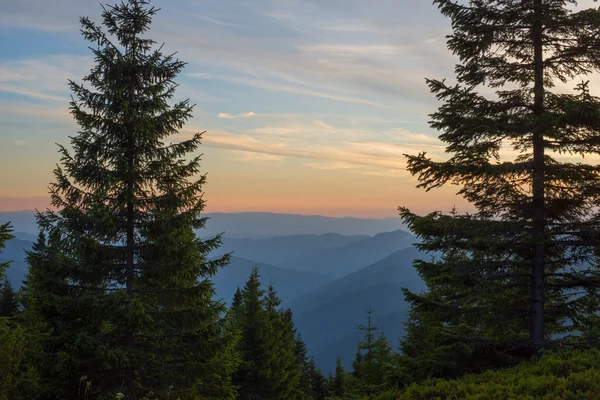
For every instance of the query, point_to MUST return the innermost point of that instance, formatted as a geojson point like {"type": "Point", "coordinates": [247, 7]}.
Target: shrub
{"type": "Point", "coordinates": [563, 375]}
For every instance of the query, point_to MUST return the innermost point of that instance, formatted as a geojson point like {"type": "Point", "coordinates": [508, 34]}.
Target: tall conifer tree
{"type": "Point", "coordinates": [504, 284]}
{"type": "Point", "coordinates": [372, 355]}
{"type": "Point", "coordinates": [8, 300]}
{"type": "Point", "coordinates": [338, 384]}
{"type": "Point", "coordinates": [5, 236]}
{"type": "Point", "coordinates": [269, 366]}
{"type": "Point", "coordinates": [133, 307]}
{"type": "Point", "coordinates": [302, 360]}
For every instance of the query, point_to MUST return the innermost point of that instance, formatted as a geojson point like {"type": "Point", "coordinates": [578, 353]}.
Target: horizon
{"type": "Point", "coordinates": [14, 205]}
{"type": "Point", "coordinates": [249, 212]}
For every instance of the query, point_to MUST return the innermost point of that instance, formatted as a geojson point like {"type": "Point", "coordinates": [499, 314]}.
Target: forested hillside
{"type": "Point", "coordinates": [120, 290]}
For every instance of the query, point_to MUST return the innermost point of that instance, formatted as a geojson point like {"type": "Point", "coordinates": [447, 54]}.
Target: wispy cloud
{"type": "Point", "coordinates": [249, 156]}
{"type": "Point", "coordinates": [32, 94]}
{"type": "Point", "coordinates": [339, 153]}
{"type": "Point", "coordinates": [43, 78]}
{"type": "Point", "coordinates": [333, 165]}
{"type": "Point", "coordinates": [231, 116]}
{"type": "Point", "coordinates": [216, 21]}
{"type": "Point", "coordinates": [325, 126]}
{"type": "Point", "coordinates": [304, 91]}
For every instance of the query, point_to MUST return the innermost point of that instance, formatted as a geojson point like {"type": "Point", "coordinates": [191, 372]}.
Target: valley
{"type": "Point", "coordinates": [328, 279]}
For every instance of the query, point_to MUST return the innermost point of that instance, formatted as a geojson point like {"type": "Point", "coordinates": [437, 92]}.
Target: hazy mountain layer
{"type": "Point", "coordinates": [282, 249]}
{"type": "Point", "coordinates": [15, 252]}
{"type": "Point", "coordinates": [254, 224]}
{"type": "Point", "coordinates": [330, 313]}
{"type": "Point", "coordinates": [289, 284]}
{"type": "Point", "coordinates": [341, 261]}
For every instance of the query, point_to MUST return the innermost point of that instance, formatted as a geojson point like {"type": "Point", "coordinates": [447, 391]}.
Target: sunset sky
{"type": "Point", "coordinates": [308, 104]}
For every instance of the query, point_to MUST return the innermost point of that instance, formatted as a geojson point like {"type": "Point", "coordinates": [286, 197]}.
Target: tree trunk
{"type": "Point", "coordinates": [130, 248]}
{"type": "Point", "coordinates": [538, 251]}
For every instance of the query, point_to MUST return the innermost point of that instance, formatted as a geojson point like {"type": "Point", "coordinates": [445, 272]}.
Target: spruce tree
{"type": "Point", "coordinates": [338, 386]}
{"type": "Point", "coordinates": [372, 356]}
{"type": "Point", "coordinates": [502, 279]}
{"type": "Point", "coordinates": [317, 382]}
{"type": "Point", "coordinates": [19, 378]}
{"type": "Point", "coordinates": [5, 236]}
{"type": "Point", "coordinates": [8, 300]}
{"type": "Point", "coordinates": [253, 346]}
{"type": "Point", "coordinates": [302, 361]}
{"type": "Point", "coordinates": [132, 302]}
{"type": "Point", "coordinates": [291, 370]}
{"type": "Point", "coordinates": [269, 366]}
{"type": "Point", "coordinates": [237, 299]}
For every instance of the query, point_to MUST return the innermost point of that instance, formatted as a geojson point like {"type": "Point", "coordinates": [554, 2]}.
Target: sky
{"type": "Point", "coordinates": [308, 105]}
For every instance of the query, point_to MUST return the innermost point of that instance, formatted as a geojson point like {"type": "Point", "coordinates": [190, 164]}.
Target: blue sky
{"type": "Point", "coordinates": [308, 104]}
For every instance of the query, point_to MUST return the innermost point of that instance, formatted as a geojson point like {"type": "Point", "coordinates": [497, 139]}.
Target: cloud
{"type": "Point", "coordinates": [351, 50]}
{"type": "Point", "coordinates": [249, 156]}
{"type": "Point", "coordinates": [402, 135]}
{"type": "Point", "coordinates": [201, 75]}
{"type": "Point", "coordinates": [299, 129]}
{"type": "Point", "coordinates": [334, 150]}
{"type": "Point", "coordinates": [37, 112]}
{"type": "Point", "coordinates": [32, 94]}
{"type": "Point", "coordinates": [334, 165]}
{"type": "Point", "coordinates": [388, 173]}
{"type": "Point", "coordinates": [216, 21]}
{"type": "Point", "coordinates": [325, 126]}
{"type": "Point", "coordinates": [230, 116]}
{"type": "Point", "coordinates": [44, 78]}
{"type": "Point", "coordinates": [304, 91]}
{"type": "Point", "coordinates": [20, 143]}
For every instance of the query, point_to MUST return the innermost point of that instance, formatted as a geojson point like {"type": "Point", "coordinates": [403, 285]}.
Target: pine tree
{"type": "Point", "coordinates": [303, 362]}
{"type": "Point", "coordinates": [47, 292]}
{"type": "Point", "coordinates": [19, 378]}
{"type": "Point", "coordinates": [372, 356]}
{"type": "Point", "coordinates": [237, 299]}
{"type": "Point", "coordinates": [364, 363]}
{"type": "Point", "coordinates": [5, 236]}
{"type": "Point", "coordinates": [317, 382]}
{"type": "Point", "coordinates": [502, 279]}
{"type": "Point", "coordinates": [269, 355]}
{"type": "Point", "coordinates": [132, 302]}
{"type": "Point", "coordinates": [338, 386]}
{"type": "Point", "coordinates": [251, 320]}
{"type": "Point", "coordinates": [8, 300]}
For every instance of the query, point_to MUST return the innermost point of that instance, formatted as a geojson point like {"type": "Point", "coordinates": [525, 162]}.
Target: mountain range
{"type": "Point", "coordinates": [340, 261]}
{"type": "Point", "coordinates": [327, 279]}
{"type": "Point", "coordinates": [339, 307]}
{"type": "Point", "coordinates": [14, 251]}
{"type": "Point", "coordinates": [257, 225]}
{"type": "Point", "coordinates": [289, 284]}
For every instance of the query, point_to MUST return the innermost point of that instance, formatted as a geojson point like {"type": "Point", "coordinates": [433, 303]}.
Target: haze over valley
{"type": "Point", "coordinates": [327, 270]}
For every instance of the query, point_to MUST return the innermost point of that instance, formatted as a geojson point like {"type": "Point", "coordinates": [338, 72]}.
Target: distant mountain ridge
{"type": "Point", "coordinates": [397, 267]}
{"type": "Point", "coordinates": [340, 261]}
{"type": "Point", "coordinates": [289, 284]}
{"type": "Point", "coordinates": [254, 224]}
{"type": "Point", "coordinates": [15, 252]}
{"type": "Point", "coordinates": [281, 249]}
{"type": "Point", "coordinates": [331, 313]}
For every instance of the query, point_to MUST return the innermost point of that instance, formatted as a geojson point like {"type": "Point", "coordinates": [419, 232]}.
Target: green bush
{"type": "Point", "coordinates": [18, 380]}
{"type": "Point", "coordinates": [564, 375]}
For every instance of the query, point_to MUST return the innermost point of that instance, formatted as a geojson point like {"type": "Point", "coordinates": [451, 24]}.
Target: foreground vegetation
{"type": "Point", "coordinates": [564, 375]}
